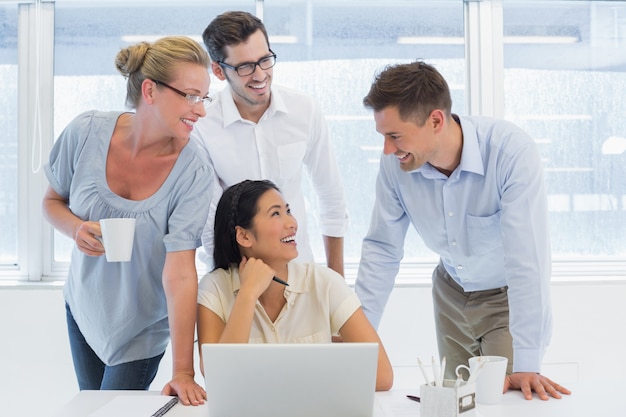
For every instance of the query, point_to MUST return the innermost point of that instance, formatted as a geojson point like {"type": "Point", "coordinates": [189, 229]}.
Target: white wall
{"type": "Point", "coordinates": [37, 377]}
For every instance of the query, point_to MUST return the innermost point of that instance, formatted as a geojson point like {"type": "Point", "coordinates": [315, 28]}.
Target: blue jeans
{"type": "Point", "coordinates": [93, 374]}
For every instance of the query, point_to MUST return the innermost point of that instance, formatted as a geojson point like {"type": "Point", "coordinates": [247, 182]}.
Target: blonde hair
{"type": "Point", "coordinates": [156, 61]}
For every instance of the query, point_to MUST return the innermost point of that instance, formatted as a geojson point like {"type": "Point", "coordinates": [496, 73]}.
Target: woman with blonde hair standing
{"type": "Point", "coordinates": [141, 164]}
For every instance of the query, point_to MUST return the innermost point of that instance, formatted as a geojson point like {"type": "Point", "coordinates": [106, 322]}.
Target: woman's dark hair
{"type": "Point", "coordinates": [237, 207]}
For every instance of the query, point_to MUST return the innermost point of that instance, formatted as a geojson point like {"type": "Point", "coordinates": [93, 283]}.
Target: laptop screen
{"type": "Point", "coordinates": [287, 380]}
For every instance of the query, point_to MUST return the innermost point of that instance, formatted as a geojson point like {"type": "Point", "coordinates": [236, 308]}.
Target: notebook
{"type": "Point", "coordinates": [290, 380]}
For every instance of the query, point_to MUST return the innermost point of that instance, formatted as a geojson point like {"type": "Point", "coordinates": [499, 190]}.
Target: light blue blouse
{"type": "Point", "coordinates": [120, 307]}
{"type": "Point", "coordinates": [487, 221]}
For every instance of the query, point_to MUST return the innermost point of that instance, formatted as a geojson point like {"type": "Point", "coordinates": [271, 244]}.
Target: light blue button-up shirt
{"type": "Point", "coordinates": [487, 221]}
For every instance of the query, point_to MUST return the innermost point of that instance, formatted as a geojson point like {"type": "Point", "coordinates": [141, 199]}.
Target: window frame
{"type": "Point", "coordinates": [484, 96]}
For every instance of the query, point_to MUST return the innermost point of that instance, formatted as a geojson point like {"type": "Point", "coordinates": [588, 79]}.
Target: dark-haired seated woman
{"type": "Point", "coordinates": [241, 302]}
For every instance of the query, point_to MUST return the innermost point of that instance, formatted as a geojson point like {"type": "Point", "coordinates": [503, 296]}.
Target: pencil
{"type": "Point", "coordinates": [280, 281]}
{"type": "Point", "coordinates": [436, 371]}
{"type": "Point", "coordinates": [426, 379]}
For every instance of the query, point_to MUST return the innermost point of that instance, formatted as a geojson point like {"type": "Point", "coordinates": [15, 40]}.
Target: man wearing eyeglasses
{"type": "Point", "coordinates": [256, 130]}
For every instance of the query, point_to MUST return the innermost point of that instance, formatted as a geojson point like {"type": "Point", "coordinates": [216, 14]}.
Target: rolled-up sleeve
{"type": "Point", "coordinates": [321, 165]}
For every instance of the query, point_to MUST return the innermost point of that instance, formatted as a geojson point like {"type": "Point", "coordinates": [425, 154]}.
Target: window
{"type": "Point", "coordinates": [332, 50]}
{"type": "Point", "coordinates": [328, 49]}
{"type": "Point", "coordinates": [93, 82]}
{"type": "Point", "coordinates": [565, 77]}
{"type": "Point", "coordinates": [9, 139]}
{"type": "Point", "coordinates": [558, 72]}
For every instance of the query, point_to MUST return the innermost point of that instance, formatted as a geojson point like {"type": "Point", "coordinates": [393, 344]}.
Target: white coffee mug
{"type": "Point", "coordinates": [117, 238]}
{"type": "Point", "coordinates": [488, 372]}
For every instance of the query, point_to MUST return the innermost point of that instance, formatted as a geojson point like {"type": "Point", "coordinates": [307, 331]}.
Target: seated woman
{"type": "Point", "coordinates": [240, 301]}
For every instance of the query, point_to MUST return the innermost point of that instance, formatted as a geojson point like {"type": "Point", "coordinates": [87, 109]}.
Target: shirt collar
{"type": "Point", "coordinates": [230, 113]}
{"type": "Point", "coordinates": [471, 158]}
{"type": "Point", "coordinates": [297, 279]}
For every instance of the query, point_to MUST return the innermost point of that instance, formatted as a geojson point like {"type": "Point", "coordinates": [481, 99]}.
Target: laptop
{"type": "Point", "coordinates": [290, 379]}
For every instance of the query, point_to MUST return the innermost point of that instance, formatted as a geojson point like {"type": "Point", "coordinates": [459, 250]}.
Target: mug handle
{"type": "Point", "coordinates": [458, 373]}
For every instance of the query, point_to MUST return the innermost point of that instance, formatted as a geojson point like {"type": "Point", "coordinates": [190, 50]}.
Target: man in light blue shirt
{"type": "Point", "coordinates": [473, 189]}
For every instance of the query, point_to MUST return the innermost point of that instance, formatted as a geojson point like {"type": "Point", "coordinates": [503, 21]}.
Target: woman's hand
{"type": "Point", "coordinates": [184, 386]}
{"type": "Point", "coordinates": [84, 233]}
{"type": "Point", "coordinates": [255, 276]}
{"type": "Point", "coordinates": [86, 239]}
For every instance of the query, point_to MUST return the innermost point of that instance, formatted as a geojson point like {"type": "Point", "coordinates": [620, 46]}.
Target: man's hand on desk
{"type": "Point", "coordinates": [185, 387]}
{"type": "Point", "coordinates": [531, 381]}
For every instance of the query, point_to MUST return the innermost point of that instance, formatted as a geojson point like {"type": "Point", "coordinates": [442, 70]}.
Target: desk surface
{"type": "Point", "coordinates": [587, 400]}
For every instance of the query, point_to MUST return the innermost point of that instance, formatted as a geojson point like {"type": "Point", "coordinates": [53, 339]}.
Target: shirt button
{"type": "Point", "coordinates": [459, 267]}
{"type": "Point", "coordinates": [450, 214]}
{"type": "Point", "coordinates": [454, 243]}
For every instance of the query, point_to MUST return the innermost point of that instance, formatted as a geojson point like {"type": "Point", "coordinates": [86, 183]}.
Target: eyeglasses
{"type": "Point", "coordinates": [191, 99]}
{"type": "Point", "coordinates": [248, 68]}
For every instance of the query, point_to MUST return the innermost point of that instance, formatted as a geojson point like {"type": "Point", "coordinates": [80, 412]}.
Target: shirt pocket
{"type": "Point", "coordinates": [290, 159]}
{"type": "Point", "coordinates": [484, 233]}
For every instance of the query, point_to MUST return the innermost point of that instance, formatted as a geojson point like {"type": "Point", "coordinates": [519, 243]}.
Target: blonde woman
{"type": "Point", "coordinates": [138, 164]}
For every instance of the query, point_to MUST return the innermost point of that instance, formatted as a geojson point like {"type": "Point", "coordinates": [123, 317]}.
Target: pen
{"type": "Point", "coordinates": [419, 362]}
{"type": "Point", "coordinates": [443, 371]}
{"type": "Point", "coordinates": [161, 411]}
{"type": "Point", "coordinates": [413, 397]}
{"type": "Point", "coordinates": [435, 371]}
{"type": "Point", "coordinates": [459, 380]}
{"type": "Point", "coordinates": [280, 281]}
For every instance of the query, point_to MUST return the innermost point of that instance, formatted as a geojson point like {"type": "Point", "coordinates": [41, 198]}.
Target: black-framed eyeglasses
{"type": "Point", "coordinates": [191, 99]}
{"type": "Point", "coordinates": [248, 68]}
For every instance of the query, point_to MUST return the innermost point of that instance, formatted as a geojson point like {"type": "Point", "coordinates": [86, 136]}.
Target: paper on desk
{"type": "Point", "coordinates": [132, 406]}
{"type": "Point", "coordinates": [396, 406]}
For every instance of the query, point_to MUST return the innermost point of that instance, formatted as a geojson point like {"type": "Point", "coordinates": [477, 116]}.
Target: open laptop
{"type": "Point", "coordinates": [290, 380]}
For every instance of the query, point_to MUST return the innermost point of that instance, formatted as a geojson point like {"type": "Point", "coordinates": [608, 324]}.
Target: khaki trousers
{"type": "Point", "coordinates": [469, 323]}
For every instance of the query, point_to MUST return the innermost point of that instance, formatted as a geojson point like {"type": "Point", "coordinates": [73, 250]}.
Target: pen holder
{"type": "Point", "coordinates": [449, 400]}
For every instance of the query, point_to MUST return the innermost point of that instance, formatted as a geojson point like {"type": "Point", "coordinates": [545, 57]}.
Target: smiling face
{"type": "Point", "coordinates": [272, 236]}
{"type": "Point", "coordinates": [413, 145]}
{"type": "Point", "coordinates": [251, 92]}
{"type": "Point", "coordinates": [175, 114]}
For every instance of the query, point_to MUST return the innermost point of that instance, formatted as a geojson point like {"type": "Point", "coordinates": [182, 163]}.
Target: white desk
{"type": "Point", "coordinates": [587, 400]}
